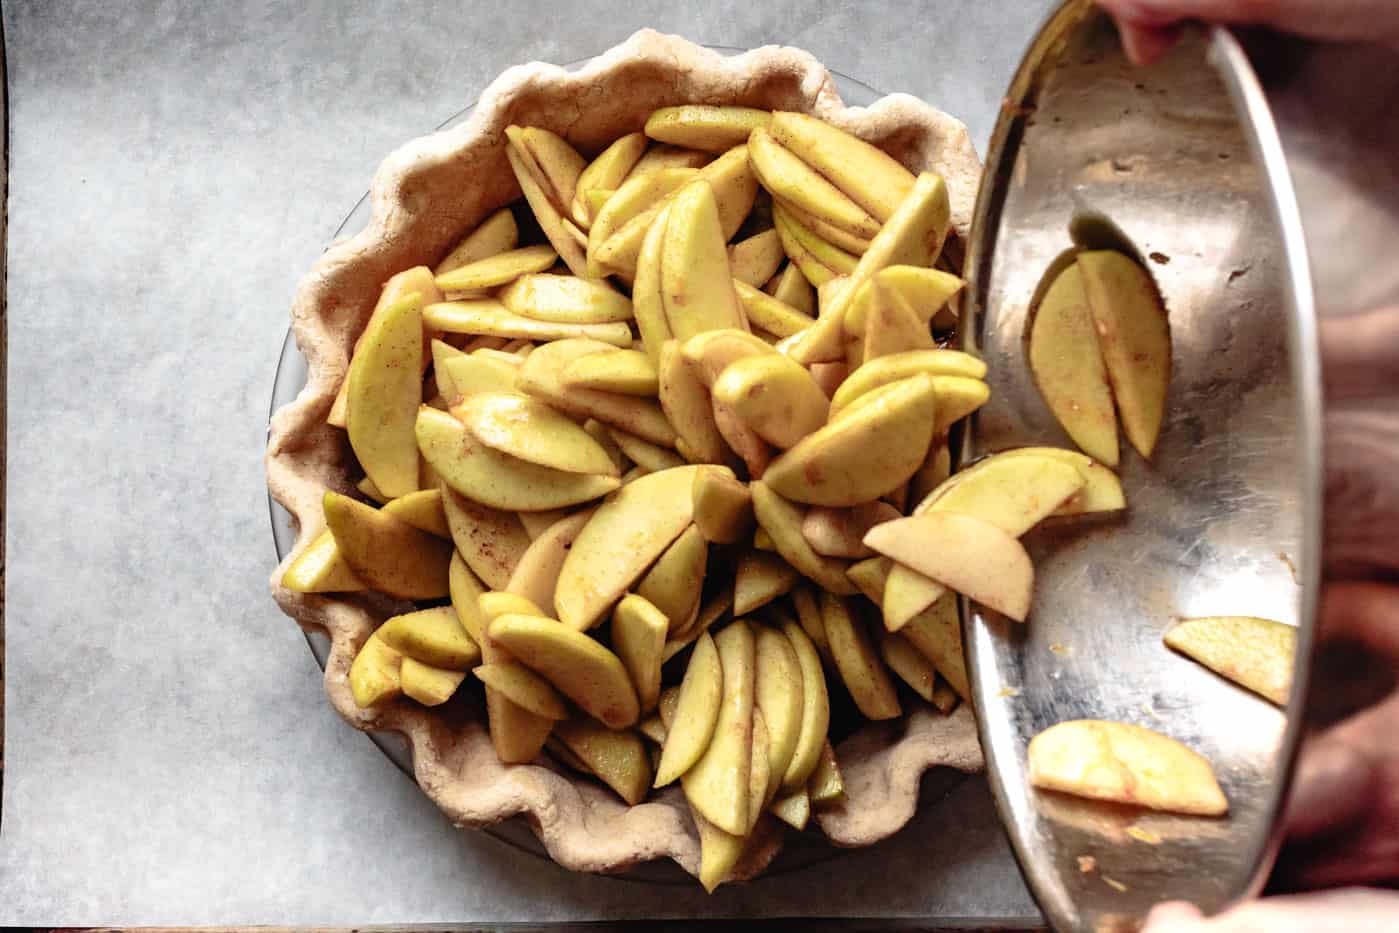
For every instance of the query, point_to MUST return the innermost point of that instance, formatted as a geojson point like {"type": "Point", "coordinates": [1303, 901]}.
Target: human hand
{"type": "Point", "coordinates": [1149, 27]}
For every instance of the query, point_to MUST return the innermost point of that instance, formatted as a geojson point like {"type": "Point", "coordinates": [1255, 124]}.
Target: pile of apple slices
{"type": "Point", "coordinates": [648, 499]}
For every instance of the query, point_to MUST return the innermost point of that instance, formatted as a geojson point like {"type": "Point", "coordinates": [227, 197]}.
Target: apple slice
{"type": "Point", "coordinates": [375, 673]}
{"type": "Point", "coordinates": [541, 376]}
{"type": "Point", "coordinates": [696, 284]}
{"type": "Point", "coordinates": [523, 687]}
{"type": "Point", "coordinates": [717, 784]}
{"type": "Point", "coordinates": [624, 537]}
{"type": "Point", "coordinates": [627, 372]}
{"type": "Point", "coordinates": [867, 174]}
{"type": "Point", "coordinates": [536, 572]}
{"type": "Point", "coordinates": [705, 127]}
{"type": "Point", "coordinates": [433, 636]}
{"type": "Point", "coordinates": [908, 663]}
{"type": "Point", "coordinates": [605, 173]}
{"type": "Point", "coordinates": [840, 532]}
{"type": "Point", "coordinates": [936, 633]}
{"type": "Point", "coordinates": [579, 667]}
{"type": "Point", "coordinates": [619, 759]}
{"type": "Point", "coordinates": [496, 479]}
{"type": "Point", "coordinates": [685, 401]}
{"type": "Point", "coordinates": [787, 177]}
{"type": "Point", "coordinates": [387, 553]}
{"type": "Point", "coordinates": [816, 710]}
{"type": "Point", "coordinates": [892, 327]}
{"type": "Point", "coordinates": [783, 522]}
{"type": "Point", "coordinates": [1068, 366]}
{"type": "Point", "coordinates": [755, 260]}
{"type": "Point", "coordinates": [1125, 764]}
{"type": "Point", "coordinates": [638, 637]}
{"type": "Point", "coordinates": [696, 711]}
{"type": "Point", "coordinates": [428, 685]}
{"type": "Point", "coordinates": [964, 553]}
{"type": "Point", "coordinates": [774, 396]}
{"type": "Point", "coordinates": [491, 541]}
{"type": "Point", "coordinates": [857, 661]}
{"type": "Point", "coordinates": [565, 299]}
{"type": "Point", "coordinates": [1135, 337]}
{"type": "Point", "coordinates": [496, 234]}
{"type": "Point", "coordinates": [780, 695]}
{"type": "Point", "coordinates": [723, 508]}
{"type": "Point", "coordinates": [1255, 653]}
{"type": "Point", "coordinates": [383, 390]}
{"type": "Point", "coordinates": [760, 578]}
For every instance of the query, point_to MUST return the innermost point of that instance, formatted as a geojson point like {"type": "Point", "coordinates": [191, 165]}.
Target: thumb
{"type": "Point", "coordinates": [1343, 911]}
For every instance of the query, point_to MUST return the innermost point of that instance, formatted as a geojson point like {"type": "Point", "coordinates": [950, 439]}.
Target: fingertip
{"type": "Point", "coordinates": [1173, 917]}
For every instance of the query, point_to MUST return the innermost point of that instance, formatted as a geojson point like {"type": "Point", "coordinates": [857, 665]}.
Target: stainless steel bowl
{"type": "Point", "coordinates": [1184, 159]}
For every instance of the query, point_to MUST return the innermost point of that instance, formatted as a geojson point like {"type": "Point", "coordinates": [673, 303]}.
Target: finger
{"type": "Point", "coordinates": [1330, 789]}
{"type": "Point", "coordinates": [1363, 612]}
{"type": "Point", "coordinates": [1375, 20]}
{"type": "Point", "coordinates": [1343, 911]}
{"type": "Point", "coordinates": [1173, 917]}
{"type": "Point", "coordinates": [1146, 44]}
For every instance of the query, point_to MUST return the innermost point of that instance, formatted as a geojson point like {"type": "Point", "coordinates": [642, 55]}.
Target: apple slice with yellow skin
{"type": "Point", "coordinates": [375, 673]}
{"type": "Point", "coordinates": [530, 430]}
{"type": "Point", "coordinates": [541, 376]}
{"type": "Point", "coordinates": [705, 127]}
{"type": "Point", "coordinates": [712, 352]}
{"type": "Point", "coordinates": [536, 573]}
{"type": "Point", "coordinates": [867, 174]}
{"type": "Point", "coordinates": [912, 236]}
{"type": "Point", "coordinates": [1257, 654]}
{"type": "Point", "coordinates": [441, 352]}
{"type": "Point", "coordinates": [898, 366]}
{"type": "Point", "coordinates": [670, 702]}
{"type": "Point", "coordinates": [638, 637]}
{"type": "Point", "coordinates": [554, 164]}
{"type": "Point", "coordinates": [734, 186]}
{"type": "Point", "coordinates": [816, 711]}
{"type": "Point", "coordinates": [760, 578]}
{"type": "Point", "coordinates": [498, 233]}
{"type": "Point", "coordinates": [792, 289]}
{"type": "Point", "coordinates": [780, 697]}
{"type": "Point", "coordinates": [891, 326]}
{"type": "Point", "coordinates": [723, 508]}
{"type": "Point", "coordinates": [517, 734]}
{"type": "Point", "coordinates": [499, 269]}
{"type": "Point", "coordinates": [1126, 764]}
{"type": "Point", "coordinates": [826, 783]}
{"type": "Point", "coordinates": [932, 474]}
{"type": "Point", "coordinates": [804, 245]}
{"type": "Point", "coordinates": [489, 317]}
{"type": "Point", "coordinates": [605, 173]}
{"type": "Point", "coordinates": [432, 636]}
{"type": "Point", "coordinates": [383, 391]}
{"type": "Point", "coordinates": [467, 375]}
{"type": "Point", "coordinates": [759, 769]}
{"type": "Point", "coordinates": [536, 523]}
{"type": "Point", "coordinates": [709, 614]}
{"type": "Point", "coordinates": [685, 401]}
{"type": "Point", "coordinates": [833, 532]}
{"type": "Point", "coordinates": [829, 376]}
{"type": "Point", "coordinates": [719, 851]}
{"type": "Point", "coordinates": [660, 157]}
{"type": "Point", "coordinates": [565, 299]}
{"type": "Point", "coordinates": [958, 397]}
{"type": "Point", "coordinates": [675, 581]}
{"type": "Point", "coordinates": [936, 633]}
{"type": "Point", "coordinates": [650, 457]}
{"type": "Point", "coordinates": [1068, 366]}
{"type": "Point", "coordinates": [812, 269]}
{"type": "Point", "coordinates": [491, 541]}
{"type": "Point", "coordinates": [774, 396]}
{"type": "Point", "coordinates": [1101, 492]}
{"type": "Point", "coordinates": [639, 196]}
{"type": "Point", "coordinates": [550, 218]}
{"type": "Point", "coordinates": [764, 312]}
{"type": "Point", "coordinates": [691, 723]}
{"type": "Point", "coordinates": [908, 663]}
{"type": "Point", "coordinates": [621, 541]}
{"type": "Point", "coordinates": [828, 233]}
{"type": "Point", "coordinates": [408, 282]}
{"type": "Point", "coordinates": [422, 510]}
{"type": "Point", "coordinates": [755, 260]}
{"type": "Point", "coordinates": [787, 177]}
{"type": "Point", "coordinates": [696, 283]}
{"type": "Point", "coordinates": [794, 809]}
{"type": "Point", "coordinates": [809, 615]}
{"type": "Point", "coordinates": [652, 728]}
{"type": "Point", "coordinates": [964, 553]}
{"type": "Point", "coordinates": [865, 453]}
{"type": "Point", "coordinates": [870, 576]}
{"type": "Point", "coordinates": [857, 661]}
{"type": "Point", "coordinates": [783, 521]}
{"type": "Point", "coordinates": [578, 667]}
{"type": "Point", "coordinates": [496, 479]}
{"type": "Point", "coordinates": [717, 784]}
{"type": "Point", "coordinates": [465, 591]}
{"type": "Point", "coordinates": [927, 291]}
{"type": "Point", "coordinates": [628, 372]}
{"type": "Point", "coordinates": [619, 759]}
{"type": "Point", "coordinates": [741, 439]}
{"type": "Point", "coordinates": [523, 687]}
{"type": "Point", "coordinates": [600, 433]}
{"type": "Point", "coordinates": [387, 553]}
{"type": "Point", "coordinates": [320, 569]}
{"type": "Point", "coordinates": [428, 685]}
{"type": "Point", "coordinates": [1134, 336]}
{"type": "Point", "coordinates": [366, 486]}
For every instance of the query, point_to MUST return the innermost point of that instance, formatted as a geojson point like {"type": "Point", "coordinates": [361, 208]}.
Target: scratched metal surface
{"type": "Point", "coordinates": [1223, 521]}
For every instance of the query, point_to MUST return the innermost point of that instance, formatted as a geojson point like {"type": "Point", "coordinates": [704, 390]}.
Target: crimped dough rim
{"type": "Point", "coordinates": [424, 197]}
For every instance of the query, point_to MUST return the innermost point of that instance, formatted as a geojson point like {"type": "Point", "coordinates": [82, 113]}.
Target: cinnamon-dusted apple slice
{"type": "Point", "coordinates": [387, 553]}
{"type": "Point", "coordinates": [579, 667]}
{"type": "Point", "coordinates": [1255, 653]}
{"type": "Point", "coordinates": [383, 391]}
{"type": "Point", "coordinates": [696, 712]}
{"type": "Point", "coordinates": [705, 127]}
